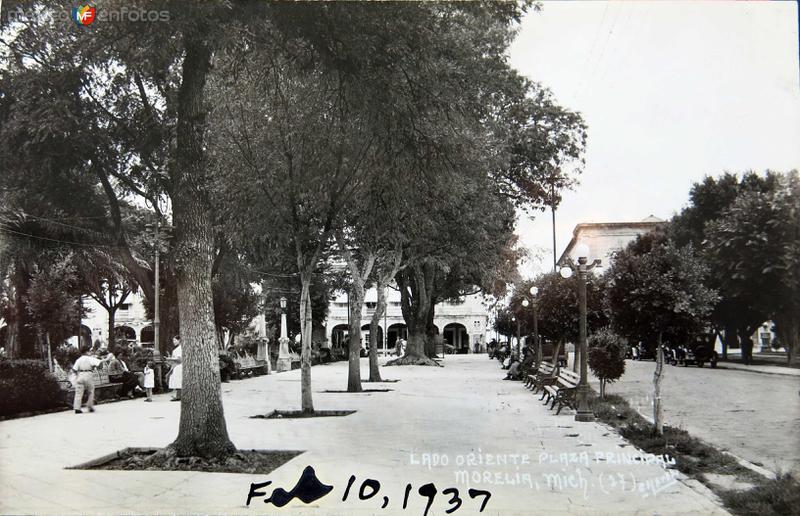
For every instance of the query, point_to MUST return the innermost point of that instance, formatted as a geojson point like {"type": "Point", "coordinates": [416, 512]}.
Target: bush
{"type": "Point", "coordinates": [27, 385]}
{"type": "Point", "coordinates": [66, 355]}
{"type": "Point", "coordinates": [606, 356]}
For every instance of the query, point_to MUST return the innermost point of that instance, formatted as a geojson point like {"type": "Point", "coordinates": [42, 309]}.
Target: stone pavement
{"type": "Point", "coordinates": [457, 427]}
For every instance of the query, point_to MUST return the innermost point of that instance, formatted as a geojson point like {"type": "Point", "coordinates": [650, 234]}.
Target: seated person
{"type": "Point", "coordinates": [513, 368]}
{"type": "Point", "coordinates": [527, 365]}
{"type": "Point", "coordinates": [227, 367]}
{"type": "Point", "coordinates": [118, 371]}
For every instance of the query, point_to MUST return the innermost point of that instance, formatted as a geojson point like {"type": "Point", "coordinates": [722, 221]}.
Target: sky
{"type": "Point", "coordinates": [671, 92]}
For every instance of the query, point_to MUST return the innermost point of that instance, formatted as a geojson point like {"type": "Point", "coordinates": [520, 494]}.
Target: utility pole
{"type": "Point", "coordinates": [156, 315]}
{"type": "Point", "coordinates": [553, 212]}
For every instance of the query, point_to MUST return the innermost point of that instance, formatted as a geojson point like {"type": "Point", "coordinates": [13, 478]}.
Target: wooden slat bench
{"type": "Point", "coordinates": [563, 391]}
{"type": "Point", "coordinates": [532, 375]}
{"type": "Point", "coordinates": [104, 389]}
{"type": "Point", "coordinates": [547, 374]}
{"type": "Point", "coordinates": [246, 366]}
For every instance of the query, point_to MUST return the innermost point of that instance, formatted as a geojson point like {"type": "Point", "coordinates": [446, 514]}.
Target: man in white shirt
{"type": "Point", "coordinates": [84, 380]}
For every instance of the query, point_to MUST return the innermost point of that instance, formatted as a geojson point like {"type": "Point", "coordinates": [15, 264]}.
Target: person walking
{"type": "Point", "coordinates": [84, 380]}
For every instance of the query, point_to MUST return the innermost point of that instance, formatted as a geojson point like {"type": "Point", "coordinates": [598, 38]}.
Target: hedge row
{"type": "Point", "coordinates": [26, 386]}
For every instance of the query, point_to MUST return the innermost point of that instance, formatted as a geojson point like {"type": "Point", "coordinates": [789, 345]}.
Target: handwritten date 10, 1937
{"type": "Point", "coordinates": [309, 489]}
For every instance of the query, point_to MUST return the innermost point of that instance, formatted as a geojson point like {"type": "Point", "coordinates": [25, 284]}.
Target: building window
{"type": "Point", "coordinates": [371, 305]}
{"type": "Point", "coordinates": [124, 307]}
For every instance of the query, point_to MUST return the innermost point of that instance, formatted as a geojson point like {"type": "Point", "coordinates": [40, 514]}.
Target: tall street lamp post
{"type": "Point", "coordinates": [534, 292]}
{"type": "Point", "coordinates": [284, 360]}
{"type": "Point", "coordinates": [156, 296]}
{"type": "Point", "coordinates": [584, 412]}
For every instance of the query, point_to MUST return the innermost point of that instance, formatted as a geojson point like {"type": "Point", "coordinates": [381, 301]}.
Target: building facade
{"type": "Point", "coordinates": [605, 238]}
{"type": "Point", "coordinates": [462, 324]}
{"type": "Point", "coordinates": [130, 320]}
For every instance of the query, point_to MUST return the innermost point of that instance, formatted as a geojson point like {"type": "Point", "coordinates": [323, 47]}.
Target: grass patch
{"type": "Point", "coordinates": [777, 497]}
{"type": "Point", "coordinates": [694, 457]}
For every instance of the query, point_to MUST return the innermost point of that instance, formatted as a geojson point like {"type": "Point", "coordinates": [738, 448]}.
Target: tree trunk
{"type": "Point", "coordinates": [746, 343]}
{"type": "Point", "coordinates": [416, 285]}
{"type": "Point", "coordinates": [354, 358]}
{"type": "Point", "coordinates": [430, 331]}
{"type": "Point", "coordinates": [307, 402]}
{"type": "Point", "coordinates": [787, 328]}
{"type": "Point", "coordinates": [202, 431]}
{"type": "Point", "coordinates": [729, 341]}
{"type": "Point", "coordinates": [556, 351]}
{"type": "Point", "coordinates": [374, 324]}
{"type": "Point", "coordinates": [12, 339]}
{"type": "Point", "coordinates": [112, 317]}
{"type": "Point", "coordinates": [602, 389]}
{"type": "Point", "coordinates": [24, 342]}
{"type": "Point", "coordinates": [658, 414]}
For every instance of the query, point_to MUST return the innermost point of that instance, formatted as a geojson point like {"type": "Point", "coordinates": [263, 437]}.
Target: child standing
{"type": "Point", "coordinates": [149, 380]}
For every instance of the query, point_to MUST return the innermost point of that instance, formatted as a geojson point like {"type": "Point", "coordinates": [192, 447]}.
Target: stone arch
{"type": "Point", "coordinates": [368, 338]}
{"type": "Point", "coordinates": [456, 334]}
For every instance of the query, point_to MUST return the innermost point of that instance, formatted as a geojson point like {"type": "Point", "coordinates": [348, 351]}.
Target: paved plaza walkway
{"type": "Point", "coordinates": [456, 427]}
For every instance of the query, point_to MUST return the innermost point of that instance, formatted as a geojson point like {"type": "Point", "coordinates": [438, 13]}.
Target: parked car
{"type": "Point", "coordinates": [697, 354]}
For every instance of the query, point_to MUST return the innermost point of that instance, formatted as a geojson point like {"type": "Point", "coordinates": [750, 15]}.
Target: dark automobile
{"type": "Point", "coordinates": [697, 354]}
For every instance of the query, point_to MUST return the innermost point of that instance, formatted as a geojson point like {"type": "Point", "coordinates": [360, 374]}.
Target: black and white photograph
{"type": "Point", "coordinates": [413, 258]}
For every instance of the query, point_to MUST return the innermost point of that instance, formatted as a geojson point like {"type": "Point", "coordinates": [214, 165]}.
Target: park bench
{"type": "Point", "coordinates": [546, 374]}
{"type": "Point", "coordinates": [247, 366]}
{"type": "Point", "coordinates": [563, 391]}
{"type": "Point", "coordinates": [103, 388]}
{"type": "Point", "coordinates": [530, 377]}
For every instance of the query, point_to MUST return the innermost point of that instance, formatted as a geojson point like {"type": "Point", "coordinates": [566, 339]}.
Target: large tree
{"type": "Point", "coordinates": [656, 288]}
{"type": "Point", "coordinates": [137, 92]}
{"type": "Point", "coordinates": [53, 301]}
{"type": "Point", "coordinates": [737, 313]}
{"type": "Point", "coordinates": [300, 141]}
{"type": "Point", "coordinates": [754, 247]}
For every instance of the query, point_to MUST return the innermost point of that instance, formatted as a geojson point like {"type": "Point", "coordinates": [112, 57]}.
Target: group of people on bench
{"type": "Point", "coordinates": [518, 369]}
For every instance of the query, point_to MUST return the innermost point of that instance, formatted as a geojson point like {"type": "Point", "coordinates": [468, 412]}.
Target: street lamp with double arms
{"type": "Point", "coordinates": [584, 412]}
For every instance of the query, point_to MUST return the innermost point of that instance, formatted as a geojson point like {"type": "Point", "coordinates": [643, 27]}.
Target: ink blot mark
{"type": "Point", "coordinates": [308, 489]}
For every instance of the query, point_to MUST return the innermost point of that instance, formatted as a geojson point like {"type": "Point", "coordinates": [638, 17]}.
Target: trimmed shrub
{"type": "Point", "coordinates": [606, 357]}
{"type": "Point", "coordinates": [66, 355]}
{"type": "Point", "coordinates": [26, 386]}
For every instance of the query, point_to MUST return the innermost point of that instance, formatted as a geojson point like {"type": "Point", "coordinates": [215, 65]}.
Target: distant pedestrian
{"type": "Point", "coordinates": [176, 374]}
{"type": "Point", "coordinates": [149, 380]}
{"type": "Point", "coordinates": [84, 381]}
